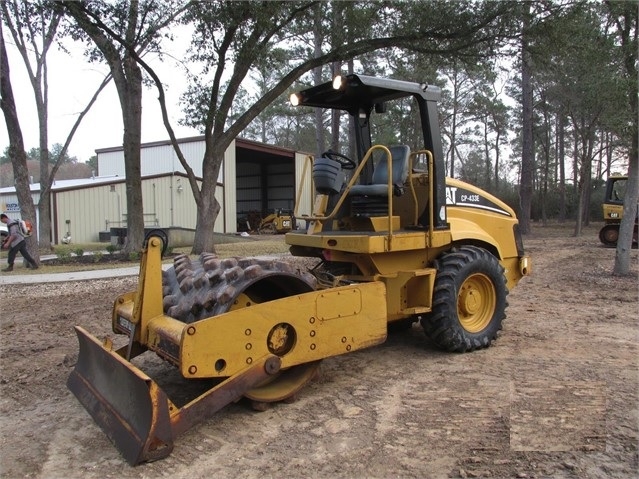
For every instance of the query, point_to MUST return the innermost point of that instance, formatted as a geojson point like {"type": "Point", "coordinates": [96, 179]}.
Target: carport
{"type": "Point", "coordinates": [265, 181]}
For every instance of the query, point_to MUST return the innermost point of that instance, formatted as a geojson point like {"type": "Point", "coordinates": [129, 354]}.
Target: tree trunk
{"type": "Point", "coordinates": [629, 218]}
{"type": "Point", "coordinates": [585, 173]}
{"type": "Point", "coordinates": [628, 34]}
{"type": "Point", "coordinates": [130, 94]}
{"type": "Point", "coordinates": [208, 207]}
{"type": "Point", "coordinates": [16, 148]}
{"type": "Point", "coordinates": [337, 38]}
{"type": "Point", "coordinates": [335, 115]}
{"type": "Point", "coordinates": [546, 170]}
{"type": "Point", "coordinates": [351, 125]}
{"type": "Point", "coordinates": [527, 158]}
{"type": "Point", "coordinates": [487, 164]}
{"type": "Point", "coordinates": [497, 141]}
{"type": "Point", "coordinates": [44, 204]}
{"type": "Point", "coordinates": [453, 129]}
{"type": "Point", "coordinates": [580, 209]}
{"type": "Point", "coordinates": [562, 167]}
{"type": "Point", "coordinates": [128, 81]}
{"type": "Point", "coordinates": [206, 215]}
{"type": "Point", "coordinates": [609, 150]}
{"type": "Point", "coordinates": [33, 32]}
{"type": "Point", "coordinates": [587, 160]}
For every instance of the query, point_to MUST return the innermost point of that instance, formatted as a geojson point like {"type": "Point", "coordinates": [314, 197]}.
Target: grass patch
{"type": "Point", "coordinates": [251, 248]}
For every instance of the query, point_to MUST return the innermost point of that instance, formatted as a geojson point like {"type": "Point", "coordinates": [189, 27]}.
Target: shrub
{"type": "Point", "coordinates": [62, 253]}
{"type": "Point", "coordinates": [134, 256]}
{"type": "Point", "coordinates": [97, 256]}
{"type": "Point", "coordinates": [112, 248]}
{"type": "Point", "coordinates": [79, 252]}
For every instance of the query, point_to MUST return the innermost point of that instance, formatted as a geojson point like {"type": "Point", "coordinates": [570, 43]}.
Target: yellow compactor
{"type": "Point", "coordinates": [393, 241]}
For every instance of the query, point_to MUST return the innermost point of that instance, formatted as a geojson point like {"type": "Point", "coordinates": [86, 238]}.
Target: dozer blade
{"type": "Point", "coordinates": [128, 405]}
{"type": "Point", "coordinates": [136, 415]}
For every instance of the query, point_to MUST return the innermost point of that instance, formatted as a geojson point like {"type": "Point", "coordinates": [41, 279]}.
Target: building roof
{"type": "Point", "coordinates": [70, 184]}
{"type": "Point", "coordinates": [239, 142]}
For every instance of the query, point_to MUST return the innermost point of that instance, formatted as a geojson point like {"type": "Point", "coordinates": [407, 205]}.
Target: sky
{"type": "Point", "coordinates": [72, 83]}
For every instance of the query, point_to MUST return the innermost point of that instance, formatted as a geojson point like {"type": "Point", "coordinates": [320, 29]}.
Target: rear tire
{"type": "Point", "coordinates": [469, 300]}
{"type": "Point", "coordinates": [608, 235]}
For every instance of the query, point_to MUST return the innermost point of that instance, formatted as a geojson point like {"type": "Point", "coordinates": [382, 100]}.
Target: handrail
{"type": "Point", "coordinates": [414, 155]}
{"type": "Point", "coordinates": [354, 178]}
{"type": "Point", "coordinates": [411, 157]}
{"type": "Point", "coordinates": [356, 175]}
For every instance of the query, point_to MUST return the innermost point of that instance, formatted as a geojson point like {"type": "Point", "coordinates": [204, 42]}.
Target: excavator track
{"type": "Point", "coordinates": [197, 289]}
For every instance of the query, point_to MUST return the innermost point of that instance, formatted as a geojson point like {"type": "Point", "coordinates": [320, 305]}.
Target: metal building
{"type": "Point", "coordinates": [254, 177]}
{"type": "Point", "coordinates": [86, 210]}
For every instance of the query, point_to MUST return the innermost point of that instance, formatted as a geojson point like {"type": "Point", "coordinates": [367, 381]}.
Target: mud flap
{"type": "Point", "coordinates": [126, 403]}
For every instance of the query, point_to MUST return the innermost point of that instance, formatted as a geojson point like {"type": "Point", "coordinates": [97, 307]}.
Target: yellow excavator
{"type": "Point", "coordinates": [393, 242]}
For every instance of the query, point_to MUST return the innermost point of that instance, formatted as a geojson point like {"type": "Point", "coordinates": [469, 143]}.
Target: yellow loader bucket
{"type": "Point", "coordinates": [127, 404]}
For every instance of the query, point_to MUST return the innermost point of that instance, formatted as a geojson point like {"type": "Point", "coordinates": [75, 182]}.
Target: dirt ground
{"type": "Point", "coordinates": [555, 396]}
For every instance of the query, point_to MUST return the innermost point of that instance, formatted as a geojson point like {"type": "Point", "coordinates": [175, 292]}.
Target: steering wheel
{"type": "Point", "coordinates": [343, 160]}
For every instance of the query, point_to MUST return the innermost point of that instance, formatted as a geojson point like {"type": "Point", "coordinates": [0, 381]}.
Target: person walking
{"type": "Point", "coordinates": [15, 243]}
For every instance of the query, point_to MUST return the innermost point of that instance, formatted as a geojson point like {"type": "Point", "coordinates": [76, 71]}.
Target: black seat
{"type": "Point", "coordinates": [379, 186]}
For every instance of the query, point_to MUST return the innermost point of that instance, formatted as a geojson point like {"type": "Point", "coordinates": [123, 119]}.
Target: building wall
{"type": "Point", "coordinates": [162, 158]}
{"type": "Point", "coordinates": [155, 158]}
{"type": "Point", "coordinates": [9, 205]}
{"type": "Point", "coordinates": [280, 187]}
{"type": "Point", "coordinates": [304, 186]}
{"type": "Point", "coordinates": [178, 208]}
{"type": "Point", "coordinates": [159, 159]}
{"type": "Point", "coordinates": [167, 201]}
{"type": "Point", "coordinates": [110, 163]}
{"type": "Point", "coordinates": [264, 187]}
{"type": "Point", "coordinates": [228, 205]}
{"type": "Point", "coordinates": [84, 212]}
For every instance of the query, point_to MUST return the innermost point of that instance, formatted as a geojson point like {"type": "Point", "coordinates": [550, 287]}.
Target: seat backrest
{"type": "Point", "coordinates": [400, 154]}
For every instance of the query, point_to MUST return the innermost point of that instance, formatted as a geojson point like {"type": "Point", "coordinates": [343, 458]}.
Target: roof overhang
{"type": "Point", "coordinates": [353, 93]}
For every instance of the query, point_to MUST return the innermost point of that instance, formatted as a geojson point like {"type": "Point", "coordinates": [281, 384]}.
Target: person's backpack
{"type": "Point", "coordinates": [25, 228]}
